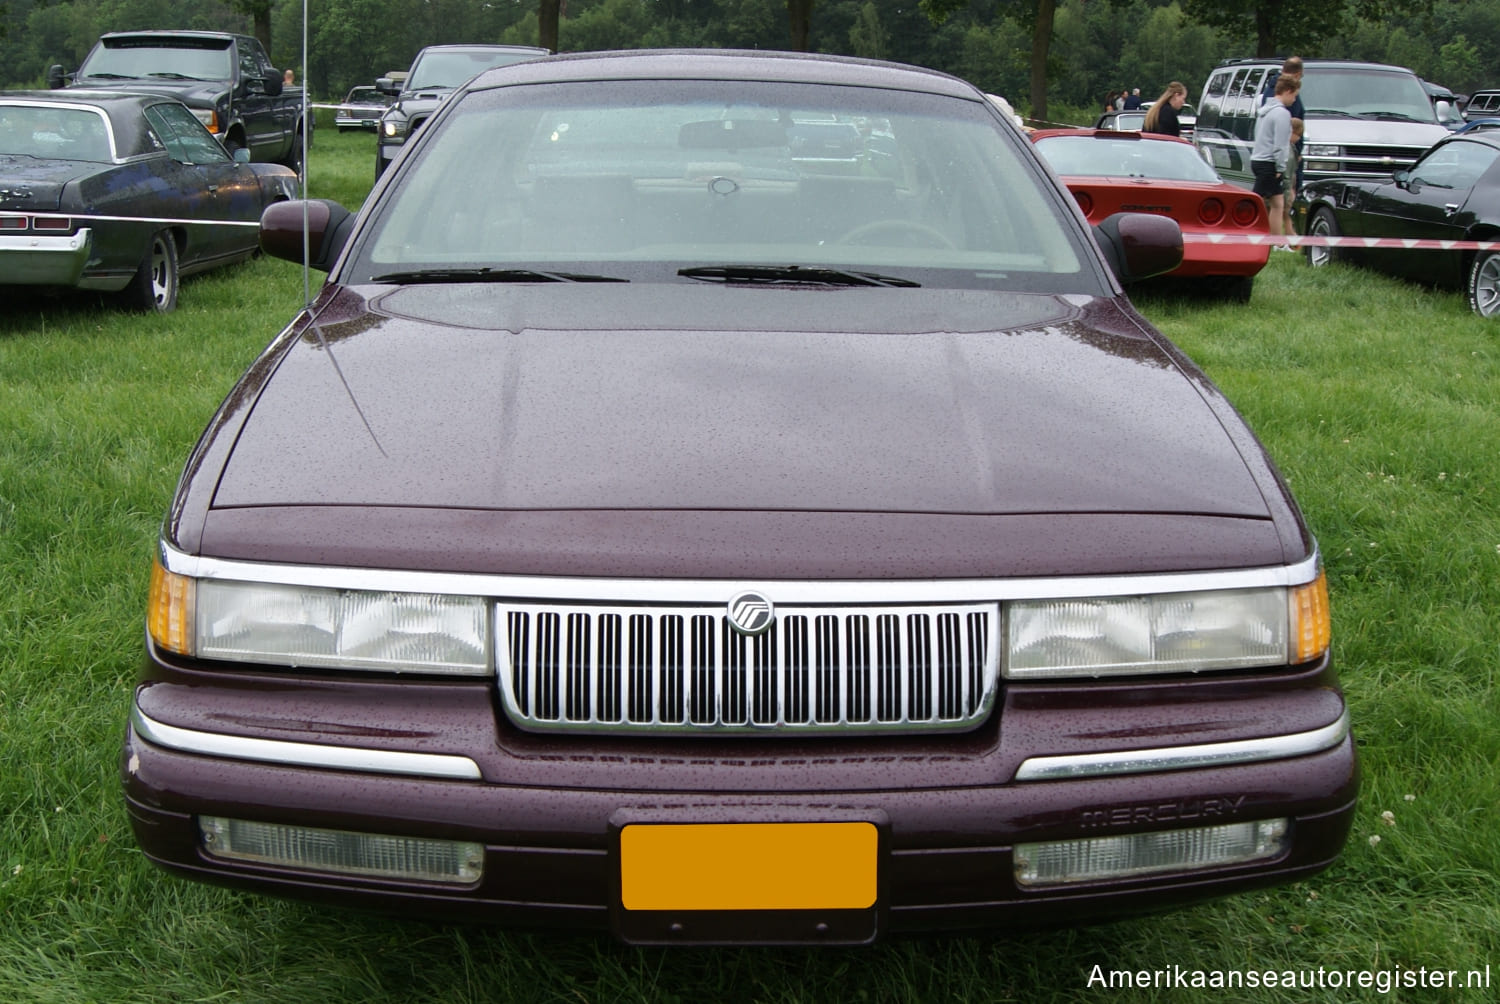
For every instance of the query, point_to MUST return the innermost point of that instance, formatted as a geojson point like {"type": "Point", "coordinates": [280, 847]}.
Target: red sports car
{"type": "Point", "coordinates": [1112, 172]}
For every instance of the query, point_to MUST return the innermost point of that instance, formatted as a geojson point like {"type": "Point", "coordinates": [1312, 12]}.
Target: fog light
{"type": "Point", "coordinates": [411, 859]}
{"type": "Point", "coordinates": [1063, 862]}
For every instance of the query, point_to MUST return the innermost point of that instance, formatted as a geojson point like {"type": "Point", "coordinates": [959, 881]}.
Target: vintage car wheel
{"type": "Point", "coordinates": [932, 236]}
{"type": "Point", "coordinates": [1484, 284]}
{"type": "Point", "coordinates": [155, 284]}
{"type": "Point", "coordinates": [1322, 225]}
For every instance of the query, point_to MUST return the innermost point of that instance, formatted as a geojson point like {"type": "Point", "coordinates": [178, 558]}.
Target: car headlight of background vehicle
{"type": "Point", "coordinates": [393, 128]}
{"type": "Point", "coordinates": [1321, 157]}
{"type": "Point", "coordinates": [319, 627]}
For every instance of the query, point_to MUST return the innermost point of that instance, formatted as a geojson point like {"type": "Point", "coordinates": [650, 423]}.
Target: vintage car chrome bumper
{"type": "Point", "coordinates": [33, 259]}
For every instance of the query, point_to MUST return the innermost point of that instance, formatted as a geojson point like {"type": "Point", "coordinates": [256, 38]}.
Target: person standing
{"type": "Point", "coordinates": [1134, 101]}
{"type": "Point", "coordinates": [1269, 155]}
{"type": "Point", "coordinates": [1162, 116]}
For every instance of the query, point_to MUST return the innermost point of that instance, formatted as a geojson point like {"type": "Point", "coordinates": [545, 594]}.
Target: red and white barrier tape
{"type": "Point", "coordinates": [1321, 241]}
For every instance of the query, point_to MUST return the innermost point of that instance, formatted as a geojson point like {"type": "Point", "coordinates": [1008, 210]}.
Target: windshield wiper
{"type": "Point", "coordinates": [805, 274]}
{"type": "Point", "coordinates": [111, 76]}
{"type": "Point", "coordinates": [1391, 117]}
{"type": "Point", "coordinates": [1330, 113]}
{"type": "Point", "coordinates": [172, 76]}
{"type": "Point", "coordinates": [489, 275]}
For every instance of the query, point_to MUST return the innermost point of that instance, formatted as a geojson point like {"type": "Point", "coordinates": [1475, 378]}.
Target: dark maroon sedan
{"type": "Point", "coordinates": [652, 528]}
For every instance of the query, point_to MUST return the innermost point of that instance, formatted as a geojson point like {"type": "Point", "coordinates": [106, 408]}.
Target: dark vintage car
{"type": "Point", "coordinates": [361, 109]}
{"type": "Point", "coordinates": [1112, 172]}
{"type": "Point", "coordinates": [641, 533]}
{"type": "Point", "coordinates": [122, 192]}
{"type": "Point", "coordinates": [434, 74]}
{"type": "Point", "coordinates": [1452, 193]}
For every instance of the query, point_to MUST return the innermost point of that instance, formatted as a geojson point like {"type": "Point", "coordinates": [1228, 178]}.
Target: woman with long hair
{"type": "Point", "coordinates": [1162, 116]}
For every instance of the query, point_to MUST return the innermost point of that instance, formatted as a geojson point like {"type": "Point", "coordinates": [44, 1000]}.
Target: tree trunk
{"type": "Point", "coordinates": [547, 15]}
{"type": "Point", "coordinates": [1041, 44]}
{"type": "Point", "coordinates": [799, 17]}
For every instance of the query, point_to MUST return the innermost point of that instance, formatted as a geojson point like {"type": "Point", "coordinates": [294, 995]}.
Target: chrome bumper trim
{"type": "Point", "coordinates": [290, 754]}
{"type": "Point", "coordinates": [1080, 765]}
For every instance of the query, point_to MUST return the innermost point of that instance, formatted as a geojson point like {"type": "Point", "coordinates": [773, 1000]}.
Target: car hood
{"type": "Point", "coordinates": [37, 185]}
{"type": "Point", "coordinates": [192, 93]}
{"type": "Point", "coordinates": [1371, 133]}
{"type": "Point", "coordinates": [578, 397]}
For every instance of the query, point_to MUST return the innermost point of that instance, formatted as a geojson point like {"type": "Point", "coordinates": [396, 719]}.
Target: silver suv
{"type": "Point", "coordinates": [1363, 120]}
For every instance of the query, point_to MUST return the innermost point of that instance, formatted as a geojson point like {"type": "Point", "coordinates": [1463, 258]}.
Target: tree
{"type": "Point", "coordinates": [260, 17]}
{"type": "Point", "coordinates": [1041, 14]}
{"type": "Point", "coordinates": [1286, 26]}
{"type": "Point", "coordinates": [799, 15]}
{"type": "Point", "coordinates": [548, 12]}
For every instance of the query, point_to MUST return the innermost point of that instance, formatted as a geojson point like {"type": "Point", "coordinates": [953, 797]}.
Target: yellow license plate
{"type": "Point", "coordinates": [748, 866]}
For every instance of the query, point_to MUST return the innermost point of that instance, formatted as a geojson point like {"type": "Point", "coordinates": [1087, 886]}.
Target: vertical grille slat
{"type": "Point", "coordinates": [620, 668]}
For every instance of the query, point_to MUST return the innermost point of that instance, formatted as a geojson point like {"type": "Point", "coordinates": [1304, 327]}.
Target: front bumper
{"type": "Point", "coordinates": [44, 260]}
{"type": "Point", "coordinates": [549, 811]}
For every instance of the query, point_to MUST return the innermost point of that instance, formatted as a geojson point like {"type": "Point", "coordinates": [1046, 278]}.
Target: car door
{"type": "Point", "coordinates": [218, 200]}
{"type": "Point", "coordinates": [1427, 202]}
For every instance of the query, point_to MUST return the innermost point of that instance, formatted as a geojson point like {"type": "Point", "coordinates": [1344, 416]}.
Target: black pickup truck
{"type": "Point", "coordinates": [226, 80]}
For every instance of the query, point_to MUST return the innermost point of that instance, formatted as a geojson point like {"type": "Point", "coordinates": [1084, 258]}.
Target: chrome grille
{"type": "Point", "coordinates": [623, 669]}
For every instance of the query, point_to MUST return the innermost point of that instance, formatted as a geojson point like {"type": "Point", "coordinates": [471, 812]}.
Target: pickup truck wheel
{"type": "Point", "coordinates": [293, 159]}
{"type": "Point", "coordinates": [154, 287]}
{"type": "Point", "coordinates": [231, 144]}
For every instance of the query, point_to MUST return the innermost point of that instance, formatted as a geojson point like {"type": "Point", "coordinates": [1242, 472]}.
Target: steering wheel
{"type": "Point", "coordinates": [931, 235]}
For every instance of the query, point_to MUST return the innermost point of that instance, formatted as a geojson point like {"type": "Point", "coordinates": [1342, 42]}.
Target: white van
{"type": "Point", "coordinates": [1362, 120]}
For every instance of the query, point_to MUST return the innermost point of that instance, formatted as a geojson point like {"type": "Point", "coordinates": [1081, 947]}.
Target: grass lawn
{"type": "Point", "coordinates": [1378, 400]}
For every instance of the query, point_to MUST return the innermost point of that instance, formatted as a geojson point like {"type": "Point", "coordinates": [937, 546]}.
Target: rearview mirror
{"type": "Point", "coordinates": [56, 78]}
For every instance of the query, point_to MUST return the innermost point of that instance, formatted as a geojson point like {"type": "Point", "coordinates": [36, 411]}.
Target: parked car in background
{"type": "Point", "coordinates": [122, 192]}
{"type": "Point", "coordinates": [1483, 104]}
{"type": "Point", "coordinates": [1134, 119]}
{"type": "Point", "coordinates": [1363, 120]}
{"type": "Point", "coordinates": [362, 109]}
{"type": "Point", "coordinates": [1444, 106]}
{"type": "Point", "coordinates": [434, 74]}
{"type": "Point", "coordinates": [644, 531]}
{"type": "Point", "coordinates": [1114, 172]}
{"type": "Point", "coordinates": [226, 79]}
{"type": "Point", "coordinates": [1451, 194]}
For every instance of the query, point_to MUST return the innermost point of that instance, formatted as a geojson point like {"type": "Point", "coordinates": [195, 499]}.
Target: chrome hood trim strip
{"type": "Point", "coordinates": [791, 591]}
{"type": "Point", "coordinates": [1081, 765]}
{"type": "Point", "coordinates": [291, 754]}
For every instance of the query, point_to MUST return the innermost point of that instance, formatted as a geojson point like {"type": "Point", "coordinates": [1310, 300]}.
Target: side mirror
{"type": "Point", "coordinates": [242, 155]}
{"type": "Point", "coordinates": [1444, 110]}
{"type": "Point", "coordinates": [1402, 179]}
{"type": "Point", "coordinates": [271, 85]}
{"type": "Point", "coordinates": [56, 78]}
{"type": "Point", "coordinates": [328, 228]}
{"type": "Point", "coordinates": [385, 85]}
{"type": "Point", "coordinates": [1139, 245]}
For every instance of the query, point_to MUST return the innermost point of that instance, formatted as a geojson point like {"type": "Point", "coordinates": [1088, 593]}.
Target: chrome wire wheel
{"type": "Point", "coordinates": [1484, 284]}
{"type": "Point", "coordinates": [1322, 225]}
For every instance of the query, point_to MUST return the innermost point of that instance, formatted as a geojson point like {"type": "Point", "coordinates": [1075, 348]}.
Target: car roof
{"type": "Point", "coordinates": [1487, 136]}
{"type": "Point", "coordinates": [173, 33]}
{"type": "Point", "coordinates": [478, 47]}
{"type": "Point", "coordinates": [727, 64]}
{"type": "Point", "coordinates": [132, 138]}
{"type": "Point", "coordinates": [1306, 63]}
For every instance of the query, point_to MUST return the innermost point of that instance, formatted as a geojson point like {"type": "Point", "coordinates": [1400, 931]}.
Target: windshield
{"type": "Point", "coordinates": [207, 59]}
{"type": "Point", "coordinates": [451, 67]}
{"type": "Point", "coordinates": [641, 176]}
{"type": "Point", "coordinates": [1373, 93]}
{"type": "Point", "coordinates": [53, 133]}
{"type": "Point", "coordinates": [1108, 157]}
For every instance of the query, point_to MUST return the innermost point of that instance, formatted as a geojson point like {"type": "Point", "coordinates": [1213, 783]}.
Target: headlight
{"type": "Point", "coordinates": [1320, 150]}
{"type": "Point", "coordinates": [308, 626]}
{"type": "Point", "coordinates": [393, 127]}
{"type": "Point", "coordinates": [207, 117]}
{"type": "Point", "coordinates": [1166, 633]}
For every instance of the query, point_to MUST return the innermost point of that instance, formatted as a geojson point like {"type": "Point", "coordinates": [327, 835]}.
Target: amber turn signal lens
{"type": "Point", "coordinates": [169, 610]}
{"type": "Point", "coordinates": [1312, 623]}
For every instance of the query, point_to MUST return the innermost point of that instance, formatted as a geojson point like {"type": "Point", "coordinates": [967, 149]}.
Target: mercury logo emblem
{"type": "Point", "coordinates": [751, 613]}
